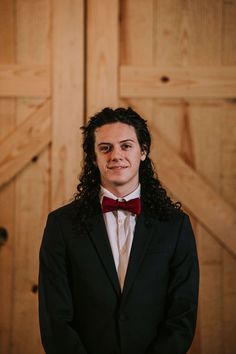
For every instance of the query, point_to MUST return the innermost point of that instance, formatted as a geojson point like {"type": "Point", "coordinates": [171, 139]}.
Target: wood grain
{"type": "Point", "coordinates": [136, 44]}
{"type": "Point", "coordinates": [32, 183]}
{"type": "Point", "coordinates": [68, 98]}
{"type": "Point", "coordinates": [24, 80]}
{"type": "Point", "coordinates": [159, 82]}
{"type": "Point", "coordinates": [102, 55]}
{"type": "Point", "coordinates": [228, 180]}
{"type": "Point", "coordinates": [205, 123]}
{"type": "Point", "coordinates": [212, 211]}
{"type": "Point", "coordinates": [204, 33]}
{"type": "Point", "coordinates": [25, 142]}
{"type": "Point", "coordinates": [7, 194]}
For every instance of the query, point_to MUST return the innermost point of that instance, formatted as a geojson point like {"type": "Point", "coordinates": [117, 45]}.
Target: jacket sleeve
{"type": "Point", "coordinates": [55, 301]}
{"type": "Point", "coordinates": [176, 333]}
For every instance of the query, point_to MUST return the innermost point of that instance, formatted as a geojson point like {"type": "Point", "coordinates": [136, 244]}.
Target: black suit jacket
{"type": "Point", "coordinates": [81, 308]}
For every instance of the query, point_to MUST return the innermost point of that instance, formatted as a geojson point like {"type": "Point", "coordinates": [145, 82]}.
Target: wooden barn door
{"type": "Point", "coordinates": [41, 110]}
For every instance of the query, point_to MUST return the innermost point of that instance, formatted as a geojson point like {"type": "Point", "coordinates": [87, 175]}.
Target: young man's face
{"type": "Point", "coordinates": [118, 156]}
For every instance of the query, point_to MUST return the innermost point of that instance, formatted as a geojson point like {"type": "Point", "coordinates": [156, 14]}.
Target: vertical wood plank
{"type": "Point", "coordinates": [228, 177]}
{"type": "Point", "coordinates": [7, 123]}
{"type": "Point", "coordinates": [136, 44]}
{"type": "Point", "coordinates": [32, 186]}
{"type": "Point", "coordinates": [203, 18]}
{"type": "Point", "coordinates": [171, 48]}
{"type": "Point", "coordinates": [206, 127]}
{"type": "Point", "coordinates": [68, 98]}
{"type": "Point", "coordinates": [170, 32]}
{"type": "Point", "coordinates": [136, 32]}
{"type": "Point", "coordinates": [204, 30]}
{"type": "Point", "coordinates": [7, 30]}
{"type": "Point", "coordinates": [102, 55]}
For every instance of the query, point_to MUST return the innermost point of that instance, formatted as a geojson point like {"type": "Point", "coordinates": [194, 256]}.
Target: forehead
{"type": "Point", "coordinates": [115, 132]}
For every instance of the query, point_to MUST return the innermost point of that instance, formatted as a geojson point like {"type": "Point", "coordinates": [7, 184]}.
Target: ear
{"type": "Point", "coordinates": [143, 155]}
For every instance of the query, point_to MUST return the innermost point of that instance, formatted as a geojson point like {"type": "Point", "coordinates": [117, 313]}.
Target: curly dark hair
{"type": "Point", "coordinates": [155, 201]}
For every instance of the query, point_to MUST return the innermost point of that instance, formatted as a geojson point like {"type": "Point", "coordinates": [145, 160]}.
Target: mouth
{"type": "Point", "coordinates": [117, 167]}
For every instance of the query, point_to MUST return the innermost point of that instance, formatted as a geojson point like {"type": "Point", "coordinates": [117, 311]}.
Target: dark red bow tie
{"type": "Point", "coordinates": [132, 205]}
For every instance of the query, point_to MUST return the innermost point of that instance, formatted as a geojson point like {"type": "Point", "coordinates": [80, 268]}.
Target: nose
{"type": "Point", "coordinates": [116, 154]}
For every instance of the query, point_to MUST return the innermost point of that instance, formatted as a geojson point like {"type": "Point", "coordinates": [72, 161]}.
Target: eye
{"type": "Point", "coordinates": [126, 146]}
{"type": "Point", "coordinates": [105, 148]}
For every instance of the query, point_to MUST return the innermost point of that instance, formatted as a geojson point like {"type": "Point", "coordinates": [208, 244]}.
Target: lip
{"type": "Point", "coordinates": [116, 167]}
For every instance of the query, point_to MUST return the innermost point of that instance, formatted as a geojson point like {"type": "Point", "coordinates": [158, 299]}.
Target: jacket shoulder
{"type": "Point", "coordinates": [63, 211]}
{"type": "Point", "coordinates": [60, 222]}
{"type": "Point", "coordinates": [177, 217]}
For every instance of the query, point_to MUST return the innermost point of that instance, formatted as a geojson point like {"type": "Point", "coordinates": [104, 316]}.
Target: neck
{"type": "Point", "coordinates": [120, 191]}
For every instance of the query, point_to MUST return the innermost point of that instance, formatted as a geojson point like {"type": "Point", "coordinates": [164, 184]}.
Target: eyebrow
{"type": "Point", "coordinates": [120, 142]}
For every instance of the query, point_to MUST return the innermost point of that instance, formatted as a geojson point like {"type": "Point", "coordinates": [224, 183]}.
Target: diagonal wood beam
{"type": "Point", "coordinates": [211, 210]}
{"type": "Point", "coordinates": [24, 80]}
{"type": "Point", "coordinates": [164, 82]}
{"type": "Point", "coordinates": [26, 141]}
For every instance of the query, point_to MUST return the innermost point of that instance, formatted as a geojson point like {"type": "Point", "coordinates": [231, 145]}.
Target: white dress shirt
{"type": "Point", "coordinates": [120, 224]}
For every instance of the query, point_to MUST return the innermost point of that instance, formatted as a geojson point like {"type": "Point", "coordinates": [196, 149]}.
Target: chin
{"type": "Point", "coordinates": [118, 183]}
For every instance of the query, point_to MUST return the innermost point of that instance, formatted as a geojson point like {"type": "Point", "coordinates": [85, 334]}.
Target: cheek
{"type": "Point", "coordinates": [138, 159]}
{"type": "Point", "coordinates": [100, 163]}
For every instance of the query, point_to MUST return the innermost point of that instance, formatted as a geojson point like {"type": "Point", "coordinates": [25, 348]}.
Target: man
{"type": "Point", "coordinates": [118, 266]}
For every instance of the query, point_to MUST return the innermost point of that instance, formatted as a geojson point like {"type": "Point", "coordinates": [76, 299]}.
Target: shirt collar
{"type": "Point", "coordinates": [132, 195]}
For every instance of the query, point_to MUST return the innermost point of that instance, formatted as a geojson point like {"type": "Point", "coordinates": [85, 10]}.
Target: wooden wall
{"type": "Point", "coordinates": [172, 60]}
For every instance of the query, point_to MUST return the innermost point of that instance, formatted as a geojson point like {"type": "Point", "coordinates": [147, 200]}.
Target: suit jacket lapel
{"type": "Point", "coordinates": [142, 238]}
{"type": "Point", "coordinates": [100, 240]}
